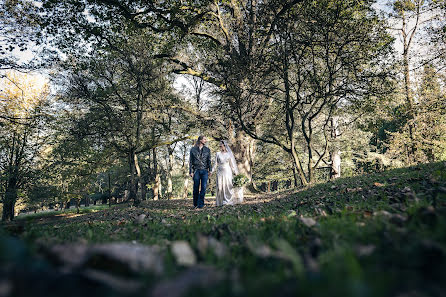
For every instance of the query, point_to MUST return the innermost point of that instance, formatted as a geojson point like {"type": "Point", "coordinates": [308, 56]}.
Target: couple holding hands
{"type": "Point", "coordinates": [224, 166]}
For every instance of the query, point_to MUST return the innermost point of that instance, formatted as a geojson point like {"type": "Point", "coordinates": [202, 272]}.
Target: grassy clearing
{"type": "Point", "coordinates": [63, 213]}
{"type": "Point", "coordinates": [373, 235]}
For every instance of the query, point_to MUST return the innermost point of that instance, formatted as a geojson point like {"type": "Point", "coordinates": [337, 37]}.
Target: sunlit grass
{"type": "Point", "coordinates": [374, 235]}
{"type": "Point", "coordinates": [62, 213]}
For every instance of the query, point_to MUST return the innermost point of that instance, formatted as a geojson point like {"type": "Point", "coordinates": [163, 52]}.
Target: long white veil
{"type": "Point", "coordinates": [233, 162]}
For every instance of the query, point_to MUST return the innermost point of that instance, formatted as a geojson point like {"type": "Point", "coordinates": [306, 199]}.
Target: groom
{"type": "Point", "coordinates": [199, 167]}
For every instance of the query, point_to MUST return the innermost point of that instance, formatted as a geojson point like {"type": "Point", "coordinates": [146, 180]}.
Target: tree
{"type": "Point", "coordinates": [316, 57]}
{"type": "Point", "coordinates": [437, 34]}
{"type": "Point", "coordinates": [431, 121]}
{"type": "Point", "coordinates": [25, 112]}
{"type": "Point", "coordinates": [410, 16]}
{"type": "Point", "coordinates": [233, 42]}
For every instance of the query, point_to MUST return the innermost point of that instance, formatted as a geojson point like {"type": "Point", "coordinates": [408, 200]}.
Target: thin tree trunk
{"type": "Point", "coordinates": [156, 187]}
{"type": "Point", "coordinates": [185, 186]}
{"type": "Point", "coordinates": [138, 193]}
{"type": "Point", "coordinates": [87, 200]}
{"type": "Point", "coordinates": [143, 188]}
{"type": "Point", "coordinates": [185, 169]}
{"type": "Point", "coordinates": [298, 165]}
{"type": "Point", "coordinates": [109, 190]}
{"type": "Point", "coordinates": [251, 156]}
{"type": "Point", "coordinates": [296, 178]}
{"type": "Point", "coordinates": [335, 154]}
{"type": "Point", "coordinates": [10, 196]}
{"type": "Point", "coordinates": [408, 35]}
{"type": "Point", "coordinates": [9, 201]}
{"type": "Point", "coordinates": [290, 123]}
{"type": "Point", "coordinates": [133, 182]}
{"type": "Point", "coordinates": [169, 172]}
{"type": "Point", "coordinates": [410, 105]}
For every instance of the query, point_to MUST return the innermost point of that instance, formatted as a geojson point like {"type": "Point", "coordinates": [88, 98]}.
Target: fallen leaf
{"type": "Point", "coordinates": [183, 253]}
{"type": "Point", "coordinates": [365, 250]}
{"type": "Point", "coordinates": [141, 218]}
{"type": "Point", "coordinates": [406, 190]}
{"type": "Point", "coordinates": [309, 222]}
{"type": "Point", "coordinates": [368, 213]}
{"type": "Point", "coordinates": [291, 213]}
{"type": "Point", "coordinates": [382, 213]}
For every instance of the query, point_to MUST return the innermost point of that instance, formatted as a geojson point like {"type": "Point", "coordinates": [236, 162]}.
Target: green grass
{"type": "Point", "coordinates": [52, 213]}
{"type": "Point", "coordinates": [376, 235]}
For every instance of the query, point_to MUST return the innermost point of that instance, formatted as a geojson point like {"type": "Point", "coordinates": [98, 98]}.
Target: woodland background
{"type": "Point", "coordinates": [101, 100]}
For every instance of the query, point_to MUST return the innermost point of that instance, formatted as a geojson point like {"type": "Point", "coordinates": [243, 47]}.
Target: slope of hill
{"type": "Point", "coordinates": [374, 235]}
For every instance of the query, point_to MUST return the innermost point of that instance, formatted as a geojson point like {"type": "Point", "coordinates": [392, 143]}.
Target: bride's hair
{"type": "Point", "coordinates": [224, 143]}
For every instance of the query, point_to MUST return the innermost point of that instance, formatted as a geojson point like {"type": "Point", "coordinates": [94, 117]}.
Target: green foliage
{"type": "Point", "coordinates": [429, 122]}
{"type": "Point", "coordinates": [403, 6]}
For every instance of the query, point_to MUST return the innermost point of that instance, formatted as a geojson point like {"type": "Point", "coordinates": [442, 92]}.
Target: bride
{"type": "Point", "coordinates": [225, 165]}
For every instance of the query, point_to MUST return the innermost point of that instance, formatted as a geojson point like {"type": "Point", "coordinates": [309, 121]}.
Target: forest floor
{"type": "Point", "coordinates": [380, 234]}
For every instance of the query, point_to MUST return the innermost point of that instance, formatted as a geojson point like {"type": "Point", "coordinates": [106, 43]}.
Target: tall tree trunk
{"type": "Point", "coordinates": [12, 184]}
{"type": "Point", "coordinates": [296, 178]}
{"type": "Point", "coordinates": [407, 36]}
{"type": "Point", "coordinates": [170, 151]}
{"type": "Point", "coordinates": [109, 190]}
{"type": "Point", "coordinates": [138, 196]}
{"type": "Point", "coordinates": [240, 148]}
{"type": "Point", "coordinates": [410, 105]}
{"type": "Point", "coordinates": [298, 164]}
{"type": "Point", "coordinates": [185, 186]}
{"type": "Point", "coordinates": [185, 169]}
{"type": "Point", "coordinates": [87, 200]}
{"type": "Point", "coordinates": [133, 186]}
{"type": "Point", "coordinates": [135, 178]}
{"type": "Point", "coordinates": [143, 188]}
{"type": "Point", "coordinates": [310, 163]}
{"type": "Point", "coordinates": [251, 156]}
{"type": "Point", "coordinates": [156, 186]}
{"type": "Point", "coordinates": [290, 122]}
{"type": "Point", "coordinates": [335, 153]}
{"type": "Point", "coordinates": [244, 149]}
{"type": "Point", "coordinates": [9, 200]}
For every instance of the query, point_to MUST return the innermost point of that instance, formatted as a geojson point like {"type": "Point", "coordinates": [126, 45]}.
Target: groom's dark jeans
{"type": "Point", "coordinates": [200, 176]}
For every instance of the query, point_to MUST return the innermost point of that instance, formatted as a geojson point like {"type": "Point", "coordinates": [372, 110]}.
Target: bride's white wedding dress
{"type": "Point", "coordinates": [224, 167]}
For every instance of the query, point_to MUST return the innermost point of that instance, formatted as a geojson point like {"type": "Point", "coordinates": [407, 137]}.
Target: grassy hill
{"type": "Point", "coordinates": [373, 235]}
